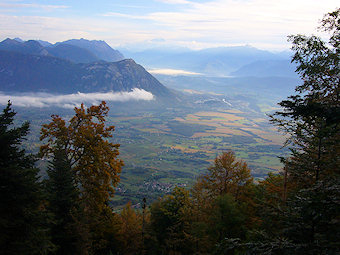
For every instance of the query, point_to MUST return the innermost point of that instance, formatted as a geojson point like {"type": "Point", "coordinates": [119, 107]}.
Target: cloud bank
{"type": "Point", "coordinates": [72, 100]}
{"type": "Point", "coordinates": [172, 72]}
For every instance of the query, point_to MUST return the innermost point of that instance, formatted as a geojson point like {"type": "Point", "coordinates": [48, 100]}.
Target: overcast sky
{"type": "Point", "coordinates": [195, 24]}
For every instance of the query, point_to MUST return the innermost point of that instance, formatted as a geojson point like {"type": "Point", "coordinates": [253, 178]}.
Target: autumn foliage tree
{"type": "Point", "coordinates": [129, 236]}
{"type": "Point", "coordinates": [92, 156]}
{"type": "Point", "coordinates": [94, 162]}
{"type": "Point", "coordinates": [227, 175]}
{"type": "Point", "coordinates": [220, 203]}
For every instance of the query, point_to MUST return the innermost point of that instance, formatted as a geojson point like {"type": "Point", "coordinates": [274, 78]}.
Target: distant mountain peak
{"type": "Point", "coordinates": [33, 43]}
{"type": "Point", "coordinates": [18, 39]}
{"type": "Point", "coordinates": [75, 50]}
{"type": "Point", "coordinates": [99, 48]}
{"type": "Point", "coordinates": [86, 40]}
{"type": "Point", "coordinates": [28, 47]}
{"type": "Point", "coordinates": [11, 41]}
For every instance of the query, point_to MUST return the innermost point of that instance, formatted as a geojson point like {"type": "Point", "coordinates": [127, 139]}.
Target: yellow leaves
{"type": "Point", "coordinates": [227, 175]}
{"type": "Point", "coordinates": [130, 230]}
{"type": "Point", "coordinates": [273, 184]}
{"type": "Point", "coordinates": [93, 157]}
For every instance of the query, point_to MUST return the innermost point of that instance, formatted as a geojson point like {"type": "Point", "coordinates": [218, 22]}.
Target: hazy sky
{"type": "Point", "coordinates": [191, 23]}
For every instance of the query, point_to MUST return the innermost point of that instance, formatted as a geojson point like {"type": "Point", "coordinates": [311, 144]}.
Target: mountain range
{"type": "Point", "coordinates": [221, 61]}
{"type": "Point", "coordinates": [93, 66]}
{"type": "Point", "coordinates": [78, 51]}
{"type": "Point", "coordinates": [70, 67]}
{"type": "Point", "coordinates": [34, 73]}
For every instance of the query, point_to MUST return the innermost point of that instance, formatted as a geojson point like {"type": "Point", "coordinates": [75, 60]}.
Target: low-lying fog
{"type": "Point", "coordinates": [72, 100]}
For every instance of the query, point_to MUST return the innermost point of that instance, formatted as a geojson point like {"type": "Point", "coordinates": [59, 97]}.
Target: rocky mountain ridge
{"type": "Point", "coordinates": [75, 50]}
{"type": "Point", "coordinates": [40, 72]}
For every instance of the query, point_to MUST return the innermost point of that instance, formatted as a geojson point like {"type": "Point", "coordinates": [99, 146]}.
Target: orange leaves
{"type": "Point", "coordinates": [92, 156]}
{"type": "Point", "coordinates": [227, 175]}
{"type": "Point", "coordinates": [129, 232]}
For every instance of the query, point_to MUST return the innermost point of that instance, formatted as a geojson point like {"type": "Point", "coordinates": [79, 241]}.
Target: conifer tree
{"type": "Point", "coordinates": [312, 117]}
{"type": "Point", "coordinates": [62, 196]}
{"type": "Point", "coordinates": [312, 120]}
{"type": "Point", "coordinates": [23, 225]}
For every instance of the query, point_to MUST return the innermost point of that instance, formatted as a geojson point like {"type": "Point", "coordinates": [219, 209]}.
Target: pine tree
{"type": "Point", "coordinates": [22, 221]}
{"type": "Point", "coordinates": [312, 120]}
{"type": "Point", "coordinates": [62, 196]}
{"type": "Point", "coordinates": [312, 117]}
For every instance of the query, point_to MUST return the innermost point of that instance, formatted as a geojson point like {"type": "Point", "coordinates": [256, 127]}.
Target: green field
{"type": "Point", "coordinates": [162, 150]}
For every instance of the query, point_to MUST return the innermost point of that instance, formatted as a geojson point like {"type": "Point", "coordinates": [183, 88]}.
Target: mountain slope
{"type": "Point", "coordinates": [32, 73]}
{"type": "Point", "coordinates": [72, 53]}
{"type": "Point", "coordinates": [100, 49]}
